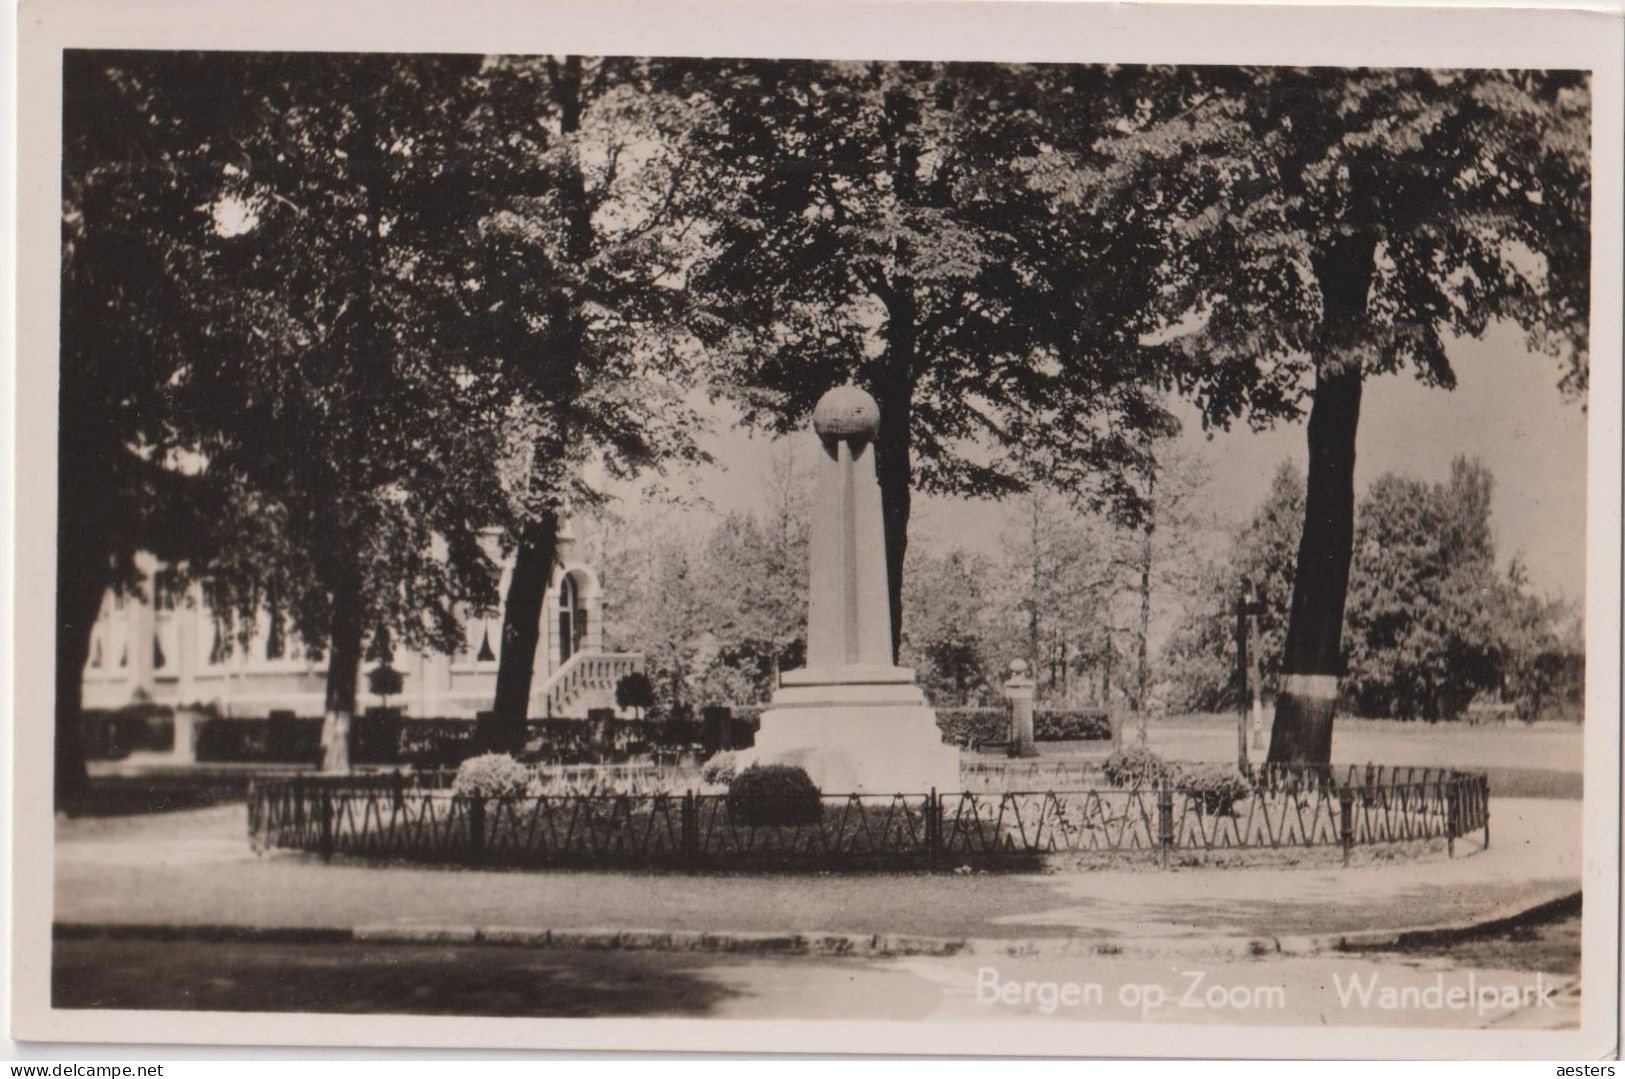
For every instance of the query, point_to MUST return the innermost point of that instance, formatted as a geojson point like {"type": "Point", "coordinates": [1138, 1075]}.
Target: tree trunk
{"type": "Point", "coordinates": [82, 581]}
{"type": "Point", "coordinates": [522, 610]}
{"type": "Point", "coordinates": [1036, 584]}
{"type": "Point", "coordinates": [1142, 673]}
{"type": "Point", "coordinates": [894, 465]}
{"type": "Point", "coordinates": [1106, 694]}
{"type": "Point", "coordinates": [526, 601]}
{"type": "Point", "coordinates": [343, 673]}
{"type": "Point", "coordinates": [1311, 660]}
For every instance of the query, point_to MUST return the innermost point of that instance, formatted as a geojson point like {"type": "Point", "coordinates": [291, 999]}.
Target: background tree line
{"type": "Point", "coordinates": [1432, 623]}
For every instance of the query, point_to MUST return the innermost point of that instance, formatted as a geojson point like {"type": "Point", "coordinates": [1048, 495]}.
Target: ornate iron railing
{"type": "Point", "coordinates": [393, 817]}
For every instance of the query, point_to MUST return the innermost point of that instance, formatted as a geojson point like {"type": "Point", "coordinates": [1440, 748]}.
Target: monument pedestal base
{"type": "Point", "coordinates": [869, 737]}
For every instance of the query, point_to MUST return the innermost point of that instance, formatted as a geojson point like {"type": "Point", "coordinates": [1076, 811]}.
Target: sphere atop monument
{"type": "Point", "coordinates": [846, 412]}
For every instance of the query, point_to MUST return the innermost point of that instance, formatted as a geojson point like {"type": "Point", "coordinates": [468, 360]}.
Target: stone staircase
{"type": "Point", "coordinates": [587, 680]}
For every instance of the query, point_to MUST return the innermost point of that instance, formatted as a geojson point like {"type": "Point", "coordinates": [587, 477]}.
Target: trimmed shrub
{"type": "Point", "coordinates": [678, 733]}
{"type": "Point", "coordinates": [491, 775]}
{"type": "Point", "coordinates": [720, 768]}
{"type": "Point", "coordinates": [385, 681]}
{"type": "Point", "coordinates": [375, 738]}
{"type": "Point", "coordinates": [1136, 766]}
{"type": "Point", "coordinates": [436, 743]}
{"type": "Point", "coordinates": [742, 728]}
{"type": "Point", "coordinates": [603, 731]}
{"type": "Point", "coordinates": [1216, 788]}
{"type": "Point", "coordinates": [773, 795]}
{"type": "Point", "coordinates": [635, 691]}
{"type": "Point", "coordinates": [283, 737]}
{"type": "Point", "coordinates": [966, 727]}
{"type": "Point", "coordinates": [116, 733]}
{"type": "Point", "coordinates": [1071, 725]}
{"type": "Point", "coordinates": [716, 723]}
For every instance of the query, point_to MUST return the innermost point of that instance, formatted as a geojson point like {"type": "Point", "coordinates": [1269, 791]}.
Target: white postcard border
{"type": "Point", "coordinates": [859, 30]}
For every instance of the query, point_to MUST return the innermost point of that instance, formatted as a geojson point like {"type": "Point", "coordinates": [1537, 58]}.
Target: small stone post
{"type": "Point", "coordinates": [1345, 820]}
{"type": "Point", "coordinates": [1019, 690]}
{"type": "Point", "coordinates": [184, 748]}
{"type": "Point", "coordinates": [1241, 677]}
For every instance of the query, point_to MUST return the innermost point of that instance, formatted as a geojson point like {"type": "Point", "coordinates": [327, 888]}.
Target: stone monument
{"type": "Point", "coordinates": [852, 718]}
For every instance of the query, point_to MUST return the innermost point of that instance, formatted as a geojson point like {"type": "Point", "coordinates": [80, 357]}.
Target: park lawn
{"type": "Point", "coordinates": [1212, 737]}
{"type": "Point", "coordinates": [1544, 760]}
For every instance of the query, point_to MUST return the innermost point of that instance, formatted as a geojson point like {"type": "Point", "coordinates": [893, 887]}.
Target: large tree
{"type": "Point", "coordinates": [1057, 572]}
{"type": "Point", "coordinates": [334, 394]}
{"type": "Point", "coordinates": [951, 637]}
{"type": "Point", "coordinates": [754, 575]}
{"type": "Point", "coordinates": [580, 288]}
{"type": "Point", "coordinates": [1425, 611]}
{"type": "Point", "coordinates": [1199, 658]}
{"type": "Point", "coordinates": [1328, 225]}
{"type": "Point", "coordinates": [1158, 557]}
{"type": "Point", "coordinates": [875, 225]}
{"type": "Point", "coordinates": [129, 214]}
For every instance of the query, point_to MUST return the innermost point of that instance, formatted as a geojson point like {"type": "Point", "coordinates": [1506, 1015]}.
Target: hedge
{"type": "Point", "coordinates": [973, 726]}
{"type": "Point", "coordinates": [114, 734]}
{"type": "Point", "coordinates": [280, 738]}
{"type": "Point", "coordinates": [982, 726]}
{"type": "Point", "coordinates": [384, 736]}
{"type": "Point", "coordinates": [1071, 725]}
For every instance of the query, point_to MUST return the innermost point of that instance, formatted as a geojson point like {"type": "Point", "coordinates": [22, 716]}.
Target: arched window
{"type": "Point", "coordinates": [571, 619]}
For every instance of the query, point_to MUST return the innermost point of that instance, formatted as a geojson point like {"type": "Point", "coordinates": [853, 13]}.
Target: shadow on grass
{"type": "Point", "coordinates": [129, 796]}
{"type": "Point", "coordinates": [1544, 938]}
{"type": "Point", "coordinates": [356, 979]}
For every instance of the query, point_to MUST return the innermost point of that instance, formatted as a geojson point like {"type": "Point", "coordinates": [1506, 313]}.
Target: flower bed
{"type": "Point", "coordinates": [1280, 810]}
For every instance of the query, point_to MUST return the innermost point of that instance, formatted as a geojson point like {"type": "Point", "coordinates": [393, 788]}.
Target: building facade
{"type": "Point", "coordinates": [152, 646]}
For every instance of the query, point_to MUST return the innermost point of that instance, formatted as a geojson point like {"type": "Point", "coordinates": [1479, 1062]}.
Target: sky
{"type": "Point", "coordinates": [1505, 410]}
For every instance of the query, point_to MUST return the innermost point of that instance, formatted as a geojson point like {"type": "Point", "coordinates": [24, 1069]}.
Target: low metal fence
{"type": "Point", "coordinates": [392, 817]}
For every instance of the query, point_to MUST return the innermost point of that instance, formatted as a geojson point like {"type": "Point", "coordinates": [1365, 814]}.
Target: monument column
{"type": "Point", "coordinates": [855, 721]}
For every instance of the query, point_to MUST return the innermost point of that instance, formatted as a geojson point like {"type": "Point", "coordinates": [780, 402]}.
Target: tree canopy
{"type": "Point", "coordinates": [1323, 225]}
{"type": "Point", "coordinates": [129, 210]}
{"type": "Point", "coordinates": [876, 224]}
{"type": "Point", "coordinates": [1432, 623]}
{"type": "Point", "coordinates": [337, 329]}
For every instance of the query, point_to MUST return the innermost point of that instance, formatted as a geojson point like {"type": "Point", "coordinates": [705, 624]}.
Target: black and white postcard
{"type": "Point", "coordinates": [873, 528]}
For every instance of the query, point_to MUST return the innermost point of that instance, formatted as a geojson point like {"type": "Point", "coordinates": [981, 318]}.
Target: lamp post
{"type": "Point", "coordinates": [1249, 605]}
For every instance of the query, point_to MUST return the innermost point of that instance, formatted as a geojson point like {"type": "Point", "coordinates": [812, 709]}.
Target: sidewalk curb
{"type": "Point", "coordinates": [832, 944]}
{"type": "Point", "coordinates": [1258, 947]}
{"type": "Point", "coordinates": [866, 945]}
